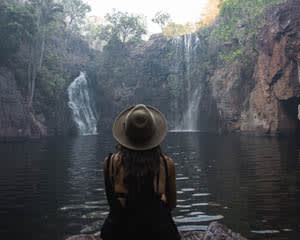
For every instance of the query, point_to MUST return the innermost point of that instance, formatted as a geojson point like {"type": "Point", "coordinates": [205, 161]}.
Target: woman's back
{"type": "Point", "coordinates": [159, 180]}
{"type": "Point", "coordinates": [139, 179]}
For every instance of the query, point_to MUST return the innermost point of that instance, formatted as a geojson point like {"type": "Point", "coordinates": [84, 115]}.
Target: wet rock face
{"type": "Point", "coordinates": [273, 104]}
{"type": "Point", "coordinates": [14, 120]}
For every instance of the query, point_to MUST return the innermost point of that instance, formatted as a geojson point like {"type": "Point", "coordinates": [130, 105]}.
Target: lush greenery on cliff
{"type": "Point", "coordinates": [238, 25]}
{"type": "Point", "coordinates": [42, 24]}
{"type": "Point", "coordinates": [50, 41]}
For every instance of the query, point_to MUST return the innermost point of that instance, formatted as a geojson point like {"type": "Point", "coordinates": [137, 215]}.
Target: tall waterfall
{"type": "Point", "coordinates": [79, 102]}
{"type": "Point", "coordinates": [185, 56]}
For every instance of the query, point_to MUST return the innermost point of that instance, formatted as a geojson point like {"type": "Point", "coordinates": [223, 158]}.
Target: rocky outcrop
{"type": "Point", "coordinates": [215, 231]}
{"type": "Point", "coordinates": [16, 119]}
{"type": "Point", "coordinates": [274, 101]}
{"type": "Point", "coordinates": [260, 93]}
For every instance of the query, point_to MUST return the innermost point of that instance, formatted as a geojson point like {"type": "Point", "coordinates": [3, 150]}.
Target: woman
{"type": "Point", "coordinates": [139, 179]}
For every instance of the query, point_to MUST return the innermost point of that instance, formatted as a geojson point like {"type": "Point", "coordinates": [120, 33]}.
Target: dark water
{"type": "Point", "coordinates": [53, 188]}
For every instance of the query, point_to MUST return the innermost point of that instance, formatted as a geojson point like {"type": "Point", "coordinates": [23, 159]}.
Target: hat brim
{"type": "Point", "coordinates": [160, 132]}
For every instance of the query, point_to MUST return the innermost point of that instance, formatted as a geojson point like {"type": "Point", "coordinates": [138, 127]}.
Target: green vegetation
{"type": "Point", "coordinates": [35, 38]}
{"type": "Point", "coordinates": [240, 21]}
{"type": "Point", "coordinates": [123, 26]}
{"type": "Point", "coordinates": [16, 26]}
{"type": "Point", "coordinates": [75, 12]}
{"type": "Point", "coordinates": [162, 19]}
{"type": "Point", "coordinates": [51, 40]}
{"type": "Point", "coordinates": [175, 29]}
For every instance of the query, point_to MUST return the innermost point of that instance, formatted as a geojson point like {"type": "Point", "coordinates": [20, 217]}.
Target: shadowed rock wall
{"type": "Point", "coordinates": [273, 104]}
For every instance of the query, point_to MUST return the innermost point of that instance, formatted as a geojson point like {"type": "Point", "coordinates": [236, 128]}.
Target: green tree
{"type": "Point", "coordinates": [123, 26]}
{"type": "Point", "coordinates": [16, 26]}
{"type": "Point", "coordinates": [175, 29]}
{"type": "Point", "coordinates": [162, 19]}
{"type": "Point", "coordinates": [91, 32]}
{"type": "Point", "coordinates": [75, 12]}
{"type": "Point", "coordinates": [46, 12]}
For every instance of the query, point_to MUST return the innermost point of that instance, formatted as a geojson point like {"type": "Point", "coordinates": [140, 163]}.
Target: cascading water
{"type": "Point", "coordinates": [79, 102]}
{"type": "Point", "coordinates": [185, 47]}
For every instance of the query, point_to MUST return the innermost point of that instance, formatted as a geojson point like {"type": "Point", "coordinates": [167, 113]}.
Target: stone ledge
{"type": "Point", "coordinates": [215, 231]}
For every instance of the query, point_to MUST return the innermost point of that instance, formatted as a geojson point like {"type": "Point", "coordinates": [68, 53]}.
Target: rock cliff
{"type": "Point", "coordinates": [274, 101]}
{"type": "Point", "coordinates": [258, 94]}
{"type": "Point", "coordinates": [16, 120]}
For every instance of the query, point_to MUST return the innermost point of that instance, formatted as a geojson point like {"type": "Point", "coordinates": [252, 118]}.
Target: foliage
{"type": "Point", "coordinates": [162, 19]}
{"type": "Point", "coordinates": [123, 26]}
{"type": "Point", "coordinates": [16, 26]}
{"type": "Point", "coordinates": [238, 26]}
{"type": "Point", "coordinates": [46, 12]}
{"type": "Point", "coordinates": [75, 12]}
{"type": "Point", "coordinates": [91, 32]}
{"type": "Point", "coordinates": [175, 29]}
{"type": "Point", "coordinates": [211, 11]}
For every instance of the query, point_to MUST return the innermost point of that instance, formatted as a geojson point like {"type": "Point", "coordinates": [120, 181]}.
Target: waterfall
{"type": "Point", "coordinates": [185, 55]}
{"type": "Point", "coordinates": [79, 102]}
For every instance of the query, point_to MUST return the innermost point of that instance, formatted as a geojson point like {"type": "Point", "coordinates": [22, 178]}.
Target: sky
{"type": "Point", "coordinates": [181, 11]}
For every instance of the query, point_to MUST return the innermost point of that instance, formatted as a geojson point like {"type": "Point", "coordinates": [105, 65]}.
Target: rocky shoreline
{"type": "Point", "coordinates": [215, 231]}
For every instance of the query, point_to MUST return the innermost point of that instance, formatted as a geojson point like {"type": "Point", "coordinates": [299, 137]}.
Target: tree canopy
{"type": "Point", "coordinates": [75, 12]}
{"type": "Point", "coordinates": [162, 19]}
{"type": "Point", "coordinates": [16, 25]}
{"type": "Point", "coordinates": [123, 26]}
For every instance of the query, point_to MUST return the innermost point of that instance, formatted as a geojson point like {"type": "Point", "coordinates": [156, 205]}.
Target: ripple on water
{"type": "Point", "coordinates": [94, 215]}
{"type": "Point", "coordinates": [184, 206]}
{"type": "Point", "coordinates": [93, 227]}
{"type": "Point", "coordinates": [193, 228]}
{"type": "Point", "coordinates": [199, 204]}
{"type": "Point", "coordinates": [200, 218]}
{"type": "Point", "coordinates": [200, 194]}
{"type": "Point", "coordinates": [287, 230]}
{"type": "Point", "coordinates": [269, 231]}
{"type": "Point", "coordinates": [96, 202]}
{"type": "Point", "coordinates": [79, 206]}
{"type": "Point", "coordinates": [184, 210]}
{"type": "Point", "coordinates": [195, 213]}
{"type": "Point", "coordinates": [182, 178]}
{"type": "Point", "coordinates": [188, 189]}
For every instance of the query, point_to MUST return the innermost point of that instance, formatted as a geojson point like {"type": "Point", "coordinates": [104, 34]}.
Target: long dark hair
{"type": "Point", "coordinates": [140, 168]}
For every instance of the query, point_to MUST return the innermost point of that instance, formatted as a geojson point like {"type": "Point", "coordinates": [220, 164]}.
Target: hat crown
{"type": "Point", "coordinates": [139, 123]}
{"type": "Point", "coordinates": [140, 127]}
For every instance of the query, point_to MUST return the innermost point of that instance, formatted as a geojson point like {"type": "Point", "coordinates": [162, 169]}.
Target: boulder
{"type": "Point", "coordinates": [215, 231]}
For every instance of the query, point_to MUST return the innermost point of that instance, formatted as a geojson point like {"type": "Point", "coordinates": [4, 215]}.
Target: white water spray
{"type": "Point", "coordinates": [185, 50]}
{"type": "Point", "coordinates": [79, 102]}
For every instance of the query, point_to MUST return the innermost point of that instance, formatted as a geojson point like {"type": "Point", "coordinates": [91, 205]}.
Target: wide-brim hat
{"type": "Point", "coordinates": [140, 127]}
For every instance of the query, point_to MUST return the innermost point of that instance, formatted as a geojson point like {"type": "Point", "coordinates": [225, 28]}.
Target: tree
{"type": "Point", "coordinates": [75, 12]}
{"type": "Point", "coordinates": [162, 19]}
{"type": "Point", "coordinates": [45, 14]}
{"type": "Point", "coordinates": [16, 26]}
{"type": "Point", "coordinates": [91, 32]}
{"type": "Point", "coordinates": [123, 26]}
{"type": "Point", "coordinates": [175, 29]}
{"type": "Point", "coordinates": [211, 11]}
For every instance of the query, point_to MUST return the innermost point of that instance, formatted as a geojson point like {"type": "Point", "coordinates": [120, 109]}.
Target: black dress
{"type": "Point", "coordinates": [145, 217]}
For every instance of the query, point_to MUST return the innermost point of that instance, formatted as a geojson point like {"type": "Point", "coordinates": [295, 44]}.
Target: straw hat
{"type": "Point", "coordinates": [140, 127]}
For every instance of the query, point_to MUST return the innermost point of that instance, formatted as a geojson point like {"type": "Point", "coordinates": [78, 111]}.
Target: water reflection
{"type": "Point", "coordinates": [55, 188]}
